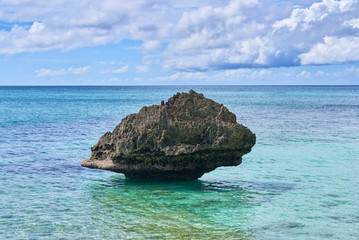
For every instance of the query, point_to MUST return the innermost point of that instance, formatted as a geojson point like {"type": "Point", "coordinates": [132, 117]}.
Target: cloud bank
{"type": "Point", "coordinates": [191, 35]}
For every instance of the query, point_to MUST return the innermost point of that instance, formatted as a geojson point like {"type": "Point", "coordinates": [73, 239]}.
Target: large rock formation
{"type": "Point", "coordinates": [181, 139]}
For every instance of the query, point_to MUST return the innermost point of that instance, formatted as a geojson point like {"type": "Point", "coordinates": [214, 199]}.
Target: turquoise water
{"type": "Point", "coordinates": [300, 181]}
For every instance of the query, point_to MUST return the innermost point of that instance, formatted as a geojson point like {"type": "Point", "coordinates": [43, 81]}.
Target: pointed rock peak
{"type": "Point", "coordinates": [192, 92]}
{"type": "Point", "coordinates": [184, 97]}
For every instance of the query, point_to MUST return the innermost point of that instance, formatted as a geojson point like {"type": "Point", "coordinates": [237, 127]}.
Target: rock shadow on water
{"type": "Point", "coordinates": [198, 209]}
{"type": "Point", "coordinates": [247, 193]}
{"type": "Point", "coordinates": [207, 185]}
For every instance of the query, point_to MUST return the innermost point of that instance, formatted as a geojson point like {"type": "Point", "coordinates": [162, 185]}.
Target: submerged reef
{"type": "Point", "coordinates": [181, 139]}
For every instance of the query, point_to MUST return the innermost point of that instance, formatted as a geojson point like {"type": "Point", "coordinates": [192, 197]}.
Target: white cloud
{"type": "Point", "coordinates": [320, 74]}
{"type": "Point", "coordinates": [226, 76]}
{"type": "Point", "coordinates": [354, 23]}
{"type": "Point", "coordinates": [121, 70]}
{"type": "Point", "coordinates": [36, 27]}
{"type": "Point", "coordinates": [212, 38]}
{"type": "Point", "coordinates": [142, 68]}
{"type": "Point", "coordinates": [108, 63]}
{"type": "Point", "coordinates": [45, 72]}
{"type": "Point", "coordinates": [333, 50]}
{"type": "Point", "coordinates": [195, 35]}
{"type": "Point", "coordinates": [305, 18]}
{"type": "Point", "coordinates": [187, 75]}
{"type": "Point", "coordinates": [65, 24]}
{"type": "Point", "coordinates": [216, 38]}
{"type": "Point", "coordinates": [151, 45]}
{"type": "Point", "coordinates": [261, 73]}
{"type": "Point", "coordinates": [234, 74]}
{"type": "Point", "coordinates": [352, 71]}
{"type": "Point", "coordinates": [303, 74]}
{"type": "Point", "coordinates": [327, 75]}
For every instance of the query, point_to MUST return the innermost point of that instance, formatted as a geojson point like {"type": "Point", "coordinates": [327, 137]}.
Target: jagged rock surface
{"type": "Point", "coordinates": [181, 139]}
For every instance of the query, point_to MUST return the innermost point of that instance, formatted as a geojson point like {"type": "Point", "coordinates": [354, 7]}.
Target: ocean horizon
{"type": "Point", "coordinates": [299, 181]}
{"type": "Point", "coordinates": [195, 85]}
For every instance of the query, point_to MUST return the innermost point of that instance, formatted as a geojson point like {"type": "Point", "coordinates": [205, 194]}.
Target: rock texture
{"type": "Point", "coordinates": [181, 139]}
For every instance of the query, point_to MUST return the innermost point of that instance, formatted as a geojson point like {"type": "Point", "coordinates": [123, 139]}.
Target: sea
{"type": "Point", "coordinates": [300, 181]}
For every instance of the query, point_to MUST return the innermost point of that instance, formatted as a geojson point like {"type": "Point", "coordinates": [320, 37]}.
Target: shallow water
{"type": "Point", "coordinates": [299, 182]}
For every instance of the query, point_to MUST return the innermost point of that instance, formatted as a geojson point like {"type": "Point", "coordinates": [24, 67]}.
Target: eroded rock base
{"type": "Point", "coordinates": [162, 167]}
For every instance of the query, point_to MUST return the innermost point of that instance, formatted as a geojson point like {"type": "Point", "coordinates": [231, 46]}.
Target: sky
{"type": "Point", "coordinates": [179, 42]}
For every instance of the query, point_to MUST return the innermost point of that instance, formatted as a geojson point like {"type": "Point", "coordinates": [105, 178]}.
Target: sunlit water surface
{"type": "Point", "coordinates": [300, 181]}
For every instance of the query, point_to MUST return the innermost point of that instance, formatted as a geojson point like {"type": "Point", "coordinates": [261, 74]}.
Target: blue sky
{"type": "Point", "coordinates": [116, 42]}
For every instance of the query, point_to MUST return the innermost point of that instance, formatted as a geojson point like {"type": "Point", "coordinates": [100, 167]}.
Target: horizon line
{"type": "Point", "coordinates": [185, 85]}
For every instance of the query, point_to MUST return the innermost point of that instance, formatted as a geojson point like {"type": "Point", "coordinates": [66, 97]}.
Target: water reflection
{"type": "Point", "coordinates": [180, 209]}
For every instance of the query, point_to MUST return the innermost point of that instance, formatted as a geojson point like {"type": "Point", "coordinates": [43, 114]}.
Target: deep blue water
{"type": "Point", "coordinates": [300, 181]}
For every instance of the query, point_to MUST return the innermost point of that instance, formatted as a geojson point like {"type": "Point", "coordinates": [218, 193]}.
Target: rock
{"type": "Point", "coordinates": [183, 138]}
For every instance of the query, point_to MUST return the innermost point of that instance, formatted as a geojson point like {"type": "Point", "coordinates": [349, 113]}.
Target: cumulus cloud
{"type": "Point", "coordinates": [65, 24]}
{"type": "Point", "coordinates": [236, 36]}
{"type": "Point", "coordinates": [333, 50]}
{"type": "Point", "coordinates": [306, 18]}
{"type": "Point", "coordinates": [191, 35]}
{"type": "Point", "coordinates": [45, 72]}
